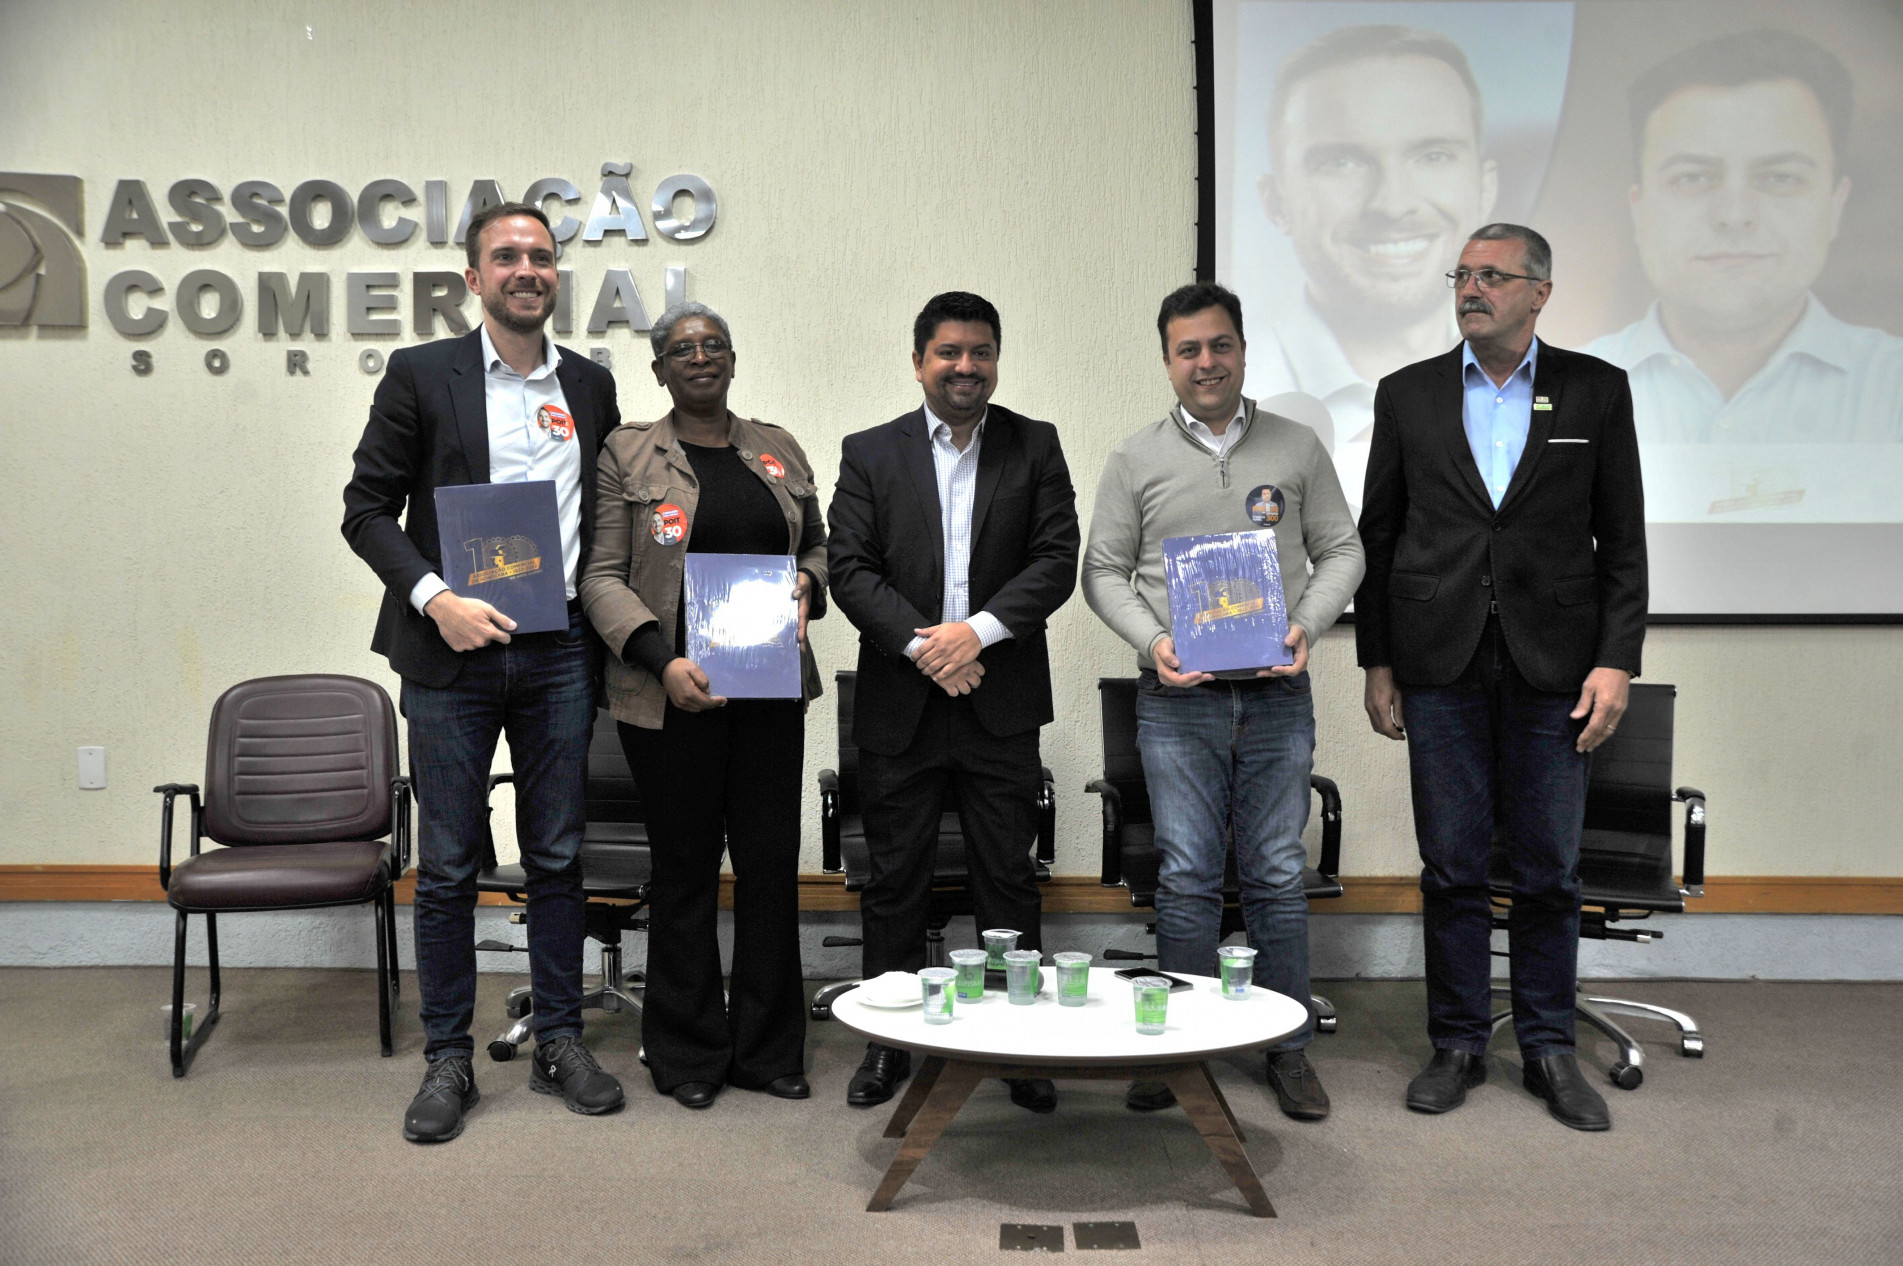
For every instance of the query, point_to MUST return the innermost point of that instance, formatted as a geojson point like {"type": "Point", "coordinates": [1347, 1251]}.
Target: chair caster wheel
{"type": "Point", "coordinates": [1692, 1046]}
{"type": "Point", "coordinates": [1625, 1076]}
{"type": "Point", "coordinates": [1327, 1024]}
{"type": "Point", "coordinates": [501, 1052]}
{"type": "Point", "coordinates": [821, 1011]}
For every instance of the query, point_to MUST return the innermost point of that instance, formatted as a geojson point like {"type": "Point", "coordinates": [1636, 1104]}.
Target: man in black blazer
{"type": "Point", "coordinates": [1500, 624]}
{"type": "Point", "coordinates": [501, 404]}
{"type": "Point", "coordinates": [954, 538]}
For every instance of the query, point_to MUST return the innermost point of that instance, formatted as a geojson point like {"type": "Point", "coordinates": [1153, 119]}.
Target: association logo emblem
{"type": "Point", "coordinates": [42, 273]}
{"type": "Point", "coordinates": [1225, 599]}
{"type": "Point", "coordinates": [500, 557]}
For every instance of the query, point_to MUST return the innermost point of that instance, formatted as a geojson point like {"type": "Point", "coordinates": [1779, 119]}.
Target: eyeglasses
{"type": "Point", "coordinates": [712, 349]}
{"type": "Point", "coordinates": [1489, 278]}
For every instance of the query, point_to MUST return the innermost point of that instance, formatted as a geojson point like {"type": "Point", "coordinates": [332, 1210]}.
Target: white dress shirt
{"type": "Point", "coordinates": [1217, 444]}
{"type": "Point", "coordinates": [521, 450]}
{"type": "Point", "coordinates": [957, 488]}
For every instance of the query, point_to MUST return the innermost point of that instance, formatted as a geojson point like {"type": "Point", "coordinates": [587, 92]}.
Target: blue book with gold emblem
{"type": "Point", "coordinates": [743, 624]}
{"type": "Point", "coordinates": [502, 543]}
{"type": "Point", "coordinates": [1226, 607]}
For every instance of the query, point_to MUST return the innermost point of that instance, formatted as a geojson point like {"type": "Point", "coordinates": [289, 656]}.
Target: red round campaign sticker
{"type": "Point", "coordinates": [557, 423]}
{"type": "Point", "coordinates": [668, 525]}
{"type": "Point", "coordinates": [1264, 504]}
{"type": "Point", "coordinates": [772, 465]}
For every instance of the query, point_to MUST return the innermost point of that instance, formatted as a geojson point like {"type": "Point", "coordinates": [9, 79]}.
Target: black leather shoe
{"type": "Point", "coordinates": [1034, 1093]}
{"type": "Point", "coordinates": [696, 1094]}
{"type": "Point", "coordinates": [564, 1067]}
{"type": "Point", "coordinates": [880, 1073]}
{"type": "Point", "coordinates": [448, 1093]}
{"type": "Point", "coordinates": [1148, 1096]}
{"type": "Point", "coordinates": [791, 1086]}
{"type": "Point", "coordinates": [1298, 1090]}
{"type": "Point", "coordinates": [1557, 1080]}
{"type": "Point", "coordinates": [1443, 1085]}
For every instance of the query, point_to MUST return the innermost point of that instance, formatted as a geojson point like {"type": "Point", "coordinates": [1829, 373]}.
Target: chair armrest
{"type": "Point", "coordinates": [829, 858]}
{"type": "Point", "coordinates": [1330, 862]}
{"type": "Point", "coordinates": [401, 816]}
{"type": "Point", "coordinates": [1047, 818]}
{"type": "Point", "coordinates": [1693, 884]}
{"type": "Point", "coordinates": [171, 791]}
{"type": "Point", "coordinates": [1110, 868]}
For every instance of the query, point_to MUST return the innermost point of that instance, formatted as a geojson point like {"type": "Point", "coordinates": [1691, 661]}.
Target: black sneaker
{"type": "Point", "coordinates": [448, 1093]}
{"type": "Point", "coordinates": [564, 1067]}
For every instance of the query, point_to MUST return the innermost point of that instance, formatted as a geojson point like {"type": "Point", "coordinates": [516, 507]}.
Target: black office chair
{"type": "Point", "coordinates": [1130, 858]}
{"type": "Point", "coordinates": [843, 847]}
{"type": "Point", "coordinates": [616, 868]}
{"type": "Point", "coordinates": [302, 788]}
{"type": "Point", "coordinates": [1625, 864]}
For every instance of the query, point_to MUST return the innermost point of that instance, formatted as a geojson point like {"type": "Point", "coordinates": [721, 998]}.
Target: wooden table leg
{"type": "Point", "coordinates": [1194, 1089]}
{"type": "Point", "coordinates": [1216, 1090]}
{"type": "Point", "coordinates": [922, 1082]}
{"type": "Point", "coordinates": [953, 1085]}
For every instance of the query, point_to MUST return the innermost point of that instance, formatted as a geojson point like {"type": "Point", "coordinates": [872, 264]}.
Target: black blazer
{"type": "Point", "coordinates": [1564, 555]}
{"type": "Point", "coordinates": [887, 564]}
{"type": "Point", "coordinates": [429, 428]}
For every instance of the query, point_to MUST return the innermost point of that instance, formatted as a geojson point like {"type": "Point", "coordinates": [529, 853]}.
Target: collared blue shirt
{"type": "Point", "coordinates": [1496, 418]}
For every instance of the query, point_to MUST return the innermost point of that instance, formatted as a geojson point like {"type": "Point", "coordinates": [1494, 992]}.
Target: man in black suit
{"type": "Point", "coordinates": [501, 404]}
{"type": "Point", "coordinates": [1500, 623]}
{"type": "Point", "coordinates": [954, 538]}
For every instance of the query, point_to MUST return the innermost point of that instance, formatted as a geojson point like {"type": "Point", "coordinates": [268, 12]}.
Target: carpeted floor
{"type": "Point", "coordinates": [1783, 1145]}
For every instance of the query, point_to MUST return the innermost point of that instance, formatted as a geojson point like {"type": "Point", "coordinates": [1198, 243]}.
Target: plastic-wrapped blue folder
{"type": "Point", "coordinates": [743, 624]}
{"type": "Point", "coordinates": [1226, 606]}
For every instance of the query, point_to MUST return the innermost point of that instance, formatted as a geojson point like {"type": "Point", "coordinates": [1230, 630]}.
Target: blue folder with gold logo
{"type": "Point", "coordinates": [502, 543]}
{"type": "Point", "coordinates": [743, 624]}
{"type": "Point", "coordinates": [1226, 607]}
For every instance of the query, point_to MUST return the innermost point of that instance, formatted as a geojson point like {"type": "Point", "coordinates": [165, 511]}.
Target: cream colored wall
{"type": "Point", "coordinates": [170, 535]}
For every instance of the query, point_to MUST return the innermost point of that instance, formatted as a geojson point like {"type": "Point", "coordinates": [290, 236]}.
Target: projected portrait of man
{"type": "Point", "coordinates": [1378, 177]}
{"type": "Point", "coordinates": [1739, 145]}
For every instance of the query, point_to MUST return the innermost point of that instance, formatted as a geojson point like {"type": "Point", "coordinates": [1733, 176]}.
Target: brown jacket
{"type": "Point", "coordinates": [647, 501]}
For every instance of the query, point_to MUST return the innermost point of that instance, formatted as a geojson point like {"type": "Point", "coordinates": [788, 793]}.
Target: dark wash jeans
{"type": "Point", "coordinates": [1231, 755]}
{"type": "Point", "coordinates": [1489, 742]}
{"type": "Point", "coordinates": [539, 690]}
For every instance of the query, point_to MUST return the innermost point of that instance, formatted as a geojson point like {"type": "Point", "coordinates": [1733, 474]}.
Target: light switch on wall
{"type": "Point", "coordinates": [92, 768]}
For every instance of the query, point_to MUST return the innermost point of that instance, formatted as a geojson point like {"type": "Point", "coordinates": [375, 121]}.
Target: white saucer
{"type": "Point", "coordinates": [893, 991]}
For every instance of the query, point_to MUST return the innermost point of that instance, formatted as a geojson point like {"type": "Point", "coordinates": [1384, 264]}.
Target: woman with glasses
{"type": "Point", "coordinates": [716, 775]}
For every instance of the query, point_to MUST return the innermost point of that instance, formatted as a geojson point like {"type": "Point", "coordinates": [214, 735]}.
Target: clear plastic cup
{"type": "Point", "coordinates": [188, 1013]}
{"type": "Point", "coordinates": [1073, 978]}
{"type": "Point", "coordinates": [1021, 976]}
{"type": "Point", "coordinates": [936, 987]}
{"type": "Point", "coordinates": [997, 942]}
{"type": "Point", "coordinates": [970, 966]}
{"type": "Point", "coordinates": [1238, 970]}
{"type": "Point", "coordinates": [1152, 995]}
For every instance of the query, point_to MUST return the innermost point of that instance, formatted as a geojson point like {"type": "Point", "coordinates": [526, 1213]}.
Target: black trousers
{"type": "Point", "coordinates": [727, 781]}
{"type": "Point", "coordinates": [996, 781]}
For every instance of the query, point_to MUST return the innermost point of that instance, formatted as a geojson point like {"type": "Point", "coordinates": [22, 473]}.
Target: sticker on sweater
{"type": "Point", "coordinates": [772, 466]}
{"type": "Point", "coordinates": [557, 423]}
{"type": "Point", "coordinates": [668, 525]}
{"type": "Point", "coordinates": [1264, 504]}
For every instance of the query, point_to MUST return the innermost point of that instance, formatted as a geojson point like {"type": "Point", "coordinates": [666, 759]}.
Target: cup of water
{"type": "Point", "coordinates": [1073, 978]}
{"type": "Point", "coordinates": [1021, 976]}
{"type": "Point", "coordinates": [187, 1015]}
{"type": "Point", "coordinates": [970, 966]}
{"type": "Point", "coordinates": [936, 987]}
{"type": "Point", "coordinates": [1152, 994]}
{"type": "Point", "coordinates": [998, 941]}
{"type": "Point", "coordinates": [1238, 970]}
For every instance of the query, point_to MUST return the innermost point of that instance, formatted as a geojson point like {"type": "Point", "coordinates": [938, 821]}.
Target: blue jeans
{"type": "Point", "coordinates": [539, 689]}
{"type": "Point", "coordinates": [1489, 748]}
{"type": "Point", "coordinates": [1221, 759]}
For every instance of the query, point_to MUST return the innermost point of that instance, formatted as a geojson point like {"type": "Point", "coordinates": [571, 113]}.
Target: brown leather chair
{"type": "Point", "coordinates": [302, 789]}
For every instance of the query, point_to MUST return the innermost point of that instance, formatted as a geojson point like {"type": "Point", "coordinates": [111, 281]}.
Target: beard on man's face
{"type": "Point", "coordinates": [496, 304]}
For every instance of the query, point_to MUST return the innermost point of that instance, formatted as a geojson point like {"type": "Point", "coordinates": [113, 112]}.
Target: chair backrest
{"type": "Point", "coordinates": [1630, 789]}
{"type": "Point", "coordinates": [305, 759]}
{"type": "Point", "coordinates": [1122, 765]}
{"type": "Point", "coordinates": [845, 683]}
{"type": "Point", "coordinates": [612, 795]}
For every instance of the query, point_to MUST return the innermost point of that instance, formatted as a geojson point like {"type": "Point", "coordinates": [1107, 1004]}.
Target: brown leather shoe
{"type": "Point", "coordinates": [1297, 1089]}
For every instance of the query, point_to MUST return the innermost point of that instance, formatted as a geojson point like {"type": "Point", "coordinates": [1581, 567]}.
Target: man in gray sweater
{"type": "Point", "coordinates": [1235, 749]}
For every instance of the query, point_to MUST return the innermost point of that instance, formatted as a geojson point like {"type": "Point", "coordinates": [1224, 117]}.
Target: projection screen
{"type": "Point", "coordinates": [1722, 183]}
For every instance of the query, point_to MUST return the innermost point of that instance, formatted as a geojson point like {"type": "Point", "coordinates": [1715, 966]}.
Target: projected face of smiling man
{"type": "Point", "coordinates": [1378, 179]}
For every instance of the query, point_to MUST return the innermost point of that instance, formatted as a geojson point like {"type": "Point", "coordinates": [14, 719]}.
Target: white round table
{"type": "Point", "coordinates": [1099, 1040]}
